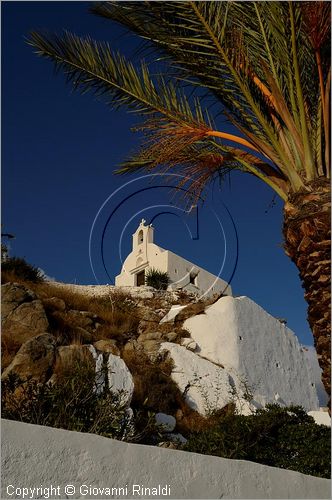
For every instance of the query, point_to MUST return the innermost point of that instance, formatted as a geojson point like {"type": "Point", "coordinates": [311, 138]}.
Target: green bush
{"type": "Point", "coordinates": [157, 279]}
{"type": "Point", "coordinates": [287, 438]}
{"type": "Point", "coordinates": [16, 266]}
{"type": "Point", "coordinates": [73, 403]}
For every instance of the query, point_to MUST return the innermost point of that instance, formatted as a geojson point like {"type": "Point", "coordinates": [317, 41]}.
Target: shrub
{"type": "Point", "coordinates": [280, 437]}
{"type": "Point", "coordinates": [71, 403]}
{"type": "Point", "coordinates": [18, 267]}
{"type": "Point", "coordinates": [157, 279]}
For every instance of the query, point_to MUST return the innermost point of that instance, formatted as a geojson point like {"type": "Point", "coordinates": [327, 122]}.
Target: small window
{"type": "Point", "coordinates": [240, 337]}
{"type": "Point", "coordinates": [278, 365]}
{"type": "Point", "coordinates": [312, 384]}
{"type": "Point", "coordinates": [140, 237]}
{"type": "Point", "coordinates": [176, 271]}
{"type": "Point", "coordinates": [192, 280]}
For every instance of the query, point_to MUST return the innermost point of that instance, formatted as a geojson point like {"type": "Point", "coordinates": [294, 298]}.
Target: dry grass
{"type": "Point", "coordinates": [153, 387]}
{"type": "Point", "coordinates": [9, 347]}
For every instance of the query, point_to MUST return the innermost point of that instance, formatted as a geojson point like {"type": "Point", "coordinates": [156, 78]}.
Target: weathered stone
{"type": "Point", "coordinates": [150, 336]}
{"type": "Point", "coordinates": [171, 336]}
{"type": "Point", "coordinates": [176, 438]}
{"type": "Point", "coordinates": [55, 304]}
{"type": "Point", "coordinates": [166, 422]}
{"type": "Point", "coordinates": [132, 346]}
{"type": "Point", "coordinates": [120, 380]}
{"type": "Point", "coordinates": [12, 295]}
{"type": "Point", "coordinates": [26, 321]}
{"type": "Point", "coordinates": [189, 344]}
{"type": "Point", "coordinates": [108, 346]}
{"type": "Point", "coordinates": [34, 359]}
{"type": "Point", "coordinates": [151, 345]}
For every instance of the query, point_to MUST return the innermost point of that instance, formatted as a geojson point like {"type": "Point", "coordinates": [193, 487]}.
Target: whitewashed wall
{"type": "Point", "coordinates": [255, 349]}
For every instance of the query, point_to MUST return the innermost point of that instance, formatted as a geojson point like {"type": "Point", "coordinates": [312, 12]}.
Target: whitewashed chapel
{"type": "Point", "coordinates": [183, 274]}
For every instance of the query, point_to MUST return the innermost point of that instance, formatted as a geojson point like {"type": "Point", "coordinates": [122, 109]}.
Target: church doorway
{"type": "Point", "coordinates": [140, 278]}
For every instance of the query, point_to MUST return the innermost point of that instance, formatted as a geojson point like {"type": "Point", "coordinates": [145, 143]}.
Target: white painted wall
{"type": "Point", "coordinates": [255, 348]}
{"type": "Point", "coordinates": [33, 456]}
{"type": "Point", "coordinates": [145, 254]}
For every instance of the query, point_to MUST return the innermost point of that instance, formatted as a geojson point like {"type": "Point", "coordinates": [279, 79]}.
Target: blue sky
{"type": "Point", "coordinates": [59, 151]}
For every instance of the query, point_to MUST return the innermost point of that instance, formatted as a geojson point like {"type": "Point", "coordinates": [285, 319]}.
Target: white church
{"type": "Point", "coordinates": [183, 274]}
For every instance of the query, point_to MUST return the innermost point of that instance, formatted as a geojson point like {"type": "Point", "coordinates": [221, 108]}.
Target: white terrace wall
{"type": "Point", "coordinates": [34, 456]}
{"type": "Point", "coordinates": [257, 349]}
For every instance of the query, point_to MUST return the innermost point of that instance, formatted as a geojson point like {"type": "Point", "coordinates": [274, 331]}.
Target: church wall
{"type": "Point", "coordinates": [179, 271]}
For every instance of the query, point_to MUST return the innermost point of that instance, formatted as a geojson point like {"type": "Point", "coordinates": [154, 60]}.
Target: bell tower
{"type": "Point", "coordinates": [142, 236]}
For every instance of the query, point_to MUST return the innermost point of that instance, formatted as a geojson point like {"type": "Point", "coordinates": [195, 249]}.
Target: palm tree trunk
{"type": "Point", "coordinates": [307, 233]}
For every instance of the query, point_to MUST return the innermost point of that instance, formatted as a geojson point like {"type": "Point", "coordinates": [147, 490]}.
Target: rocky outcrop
{"type": "Point", "coordinates": [23, 315]}
{"type": "Point", "coordinates": [33, 455]}
{"type": "Point", "coordinates": [34, 359]}
{"type": "Point", "coordinates": [119, 378]}
{"type": "Point", "coordinates": [12, 295]}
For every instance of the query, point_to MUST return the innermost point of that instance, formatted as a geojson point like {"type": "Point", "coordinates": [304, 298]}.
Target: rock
{"type": "Point", "coordinates": [12, 295]}
{"type": "Point", "coordinates": [55, 304]}
{"type": "Point", "coordinates": [150, 336]}
{"type": "Point", "coordinates": [205, 386]}
{"type": "Point", "coordinates": [171, 336]}
{"type": "Point", "coordinates": [151, 348]}
{"type": "Point", "coordinates": [172, 313]}
{"type": "Point", "coordinates": [133, 345]}
{"type": "Point", "coordinates": [176, 438]}
{"type": "Point", "coordinates": [256, 349]}
{"type": "Point", "coordinates": [25, 321]}
{"type": "Point", "coordinates": [189, 344]}
{"type": "Point", "coordinates": [34, 359]}
{"type": "Point", "coordinates": [120, 380]}
{"type": "Point", "coordinates": [107, 345]}
{"type": "Point", "coordinates": [166, 422]}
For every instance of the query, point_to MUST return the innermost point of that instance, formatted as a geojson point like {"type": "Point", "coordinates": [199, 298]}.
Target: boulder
{"type": "Point", "coordinates": [34, 359]}
{"type": "Point", "coordinates": [120, 380]}
{"type": "Point", "coordinates": [108, 346]}
{"type": "Point", "coordinates": [150, 336]}
{"type": "Point", "coordinates": [171, 336]}
{"type": "Point", "coordinates": [189, 344]}
{"type": "Point", "coordinates": [166, 422]}
{"type": "Point", "coordinates": [205, 386]}
{"type": "Point", "coordinates": [12, 295]}
{"type": "Point", "coordinates": [25, 321]}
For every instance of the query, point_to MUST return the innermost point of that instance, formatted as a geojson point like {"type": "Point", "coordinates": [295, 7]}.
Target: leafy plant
{"type": "Point", "coordinates": [74, 402]}
{"type": "Point", "coordinates": [280, 437]}
{"type": "Point", "coordinates": [157, 279]}
{"type": "Point", "coordinates": [16, 266]}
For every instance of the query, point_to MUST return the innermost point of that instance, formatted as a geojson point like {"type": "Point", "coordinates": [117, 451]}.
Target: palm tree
{"type": "Point", "coordinates": [265, 67]}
